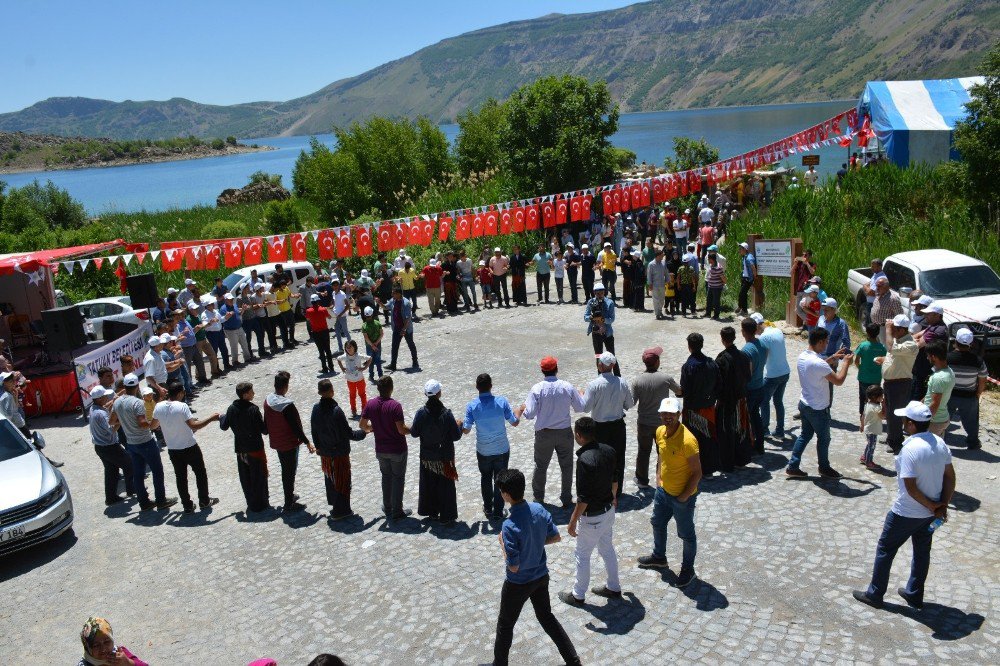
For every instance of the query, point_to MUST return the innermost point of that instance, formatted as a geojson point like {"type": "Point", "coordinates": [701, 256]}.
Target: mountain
{"type": "Point", "coordinates": [663, 54]}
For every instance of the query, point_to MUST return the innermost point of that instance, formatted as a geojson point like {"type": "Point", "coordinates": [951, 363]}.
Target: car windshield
{"type": "Point", "coordinates": [232, 280]}
{"type": "Point", "coordinates": [961, 282]}
{"type": "Point", "coordinates": [12, 444]}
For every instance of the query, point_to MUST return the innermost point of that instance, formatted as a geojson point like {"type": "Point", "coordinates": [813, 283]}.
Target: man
{"type": "Point", "coordinates": [450, 282]}
{"type": "Point", "coordinates": [178, 427]}
{"type": "Point", "coordinates": [318, 318]}
{"type": "Point", "coordinates": [776, 374]}
{"type": "Point", "coordinates": [338, 312]}
{"type": "Point", "coordinates": [254, 312]}
{"type": "Point", "coordinates": [970, 382]}
{"type": "Point", "coordinates": [607, 260]}
{"type": "Point", "coordinates": [648, 391]}
{"type": "Point", "coordinates": [154, 368]}
{"type": "Point", "coordinates": [467, 281]}
{"type": "Point", "coordinates": [841, 174]}
{"type": "Point", "coordinates": [499, 267]}
{"type": "Point", "coordinates": [756, 393]}
{"type": "Point", "coordinates": [593, 520]}
{"type": "Point", "coordinates": [543, 271]}
{"type": "Point", "coordinates": [587, 271]}
{"type": "Point", "coordinates": [383, 290]}
{"type": "Point", "coordinates": [187, 296]}
{"type": "Point", "coordinates": [871, 289]}
{"type": "Point", "coordinates": [200, 326]}
{"type": "Point", "coordinates": [803, 269]}
{"type": "Point", "coordinates": [573, 263]}
{"type": "Point", "coordinates": [627, 263]}
{"type": "Point", "coordinates": [600, 316]}
{"type": "Point", "coordinates": [212, 320]}
{"type": "Point", "coordinates": [680, 226]}
{"type": "Point", "coordinates": [283, 296]}
{"type": "Point", "coordinates": [840, 333]}
{"type": "Point", "coordinates": [141, 445]}
{"type": "Point", "coordinates": [897, 377]}
{"type": "Point", "coordinates": [488, 413]}
{"type": "Point", "coordinates": [245, 420]}
{"type": "Point", "coordinates": [700, 389]}
{"type": "Point", "coordinates": [934, 330]}
{"type": "Point", "coordinates": [814, 404]}
{"type": "Point", "coordinates": [332, 435]}
{"type": "Point", "coordinates": [926, 481]}
{"type": "Point", "coordinates": [285, 434]}
{"type": "Point", "coordinates": [432, 285]}
{"type": "Point", "coordinates": [810, 177]}
{"type": "Point", "coordinates": [549, 403]}
{"type": "Point", "coordinates": [107, 447]}
{"type": "Point", "coordinates": [748, 273]}
{"type": "Point", "coordinates": [676, 492]}
{"type": "Point", "coordinates": [232, 328]}
{"type": "Point", "coordinates": [384, 417]}
{"type": "Point", "coordinates": [523, 538]}
{"type": "Point", "coordinates": [274, 324]}
{"type": "Point", "coordinates": [940, 385]}
{"type": "Point", "coordinates": [885, 307]}
{"type": "Point", "coordinates": [518, 272]}
{"type": "Point", "coordinates": [656, 280]}
{"type": "Point", "coordinates": [607, 398]}
{"type": "Point", "coordinates": [401, 319]}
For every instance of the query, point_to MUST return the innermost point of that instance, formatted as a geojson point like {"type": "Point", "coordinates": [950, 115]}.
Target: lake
{"type": "Point", "coordinates": [188, 183]}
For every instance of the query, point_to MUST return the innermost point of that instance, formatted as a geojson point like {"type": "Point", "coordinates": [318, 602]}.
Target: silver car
{"type": "Point", "coordinates": [35, 504]}
{"type": "Point", "coordinates": [116, 308]}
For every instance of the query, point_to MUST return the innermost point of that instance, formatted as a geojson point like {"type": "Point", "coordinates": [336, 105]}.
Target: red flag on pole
{"type": "Point", "coordinates": [364, 240]}
{"type": "Point", "coordinates": [298, 242]}
{"type": "Point", "coordinates": [344, 250]}
{"type": "Point", "coordinates": [234, 254]}
{"type": "Point", "coordinates": [325, 243]}
{"type": "Point", "coordinates": [444, 228]}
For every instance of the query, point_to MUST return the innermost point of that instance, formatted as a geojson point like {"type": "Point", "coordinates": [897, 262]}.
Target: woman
{"type": "Point", "coordinates": [99, 646]}
{"type": "Point", "coordinates": [438, 431]}
{"type": "Point", "coordinates": [715, 282]}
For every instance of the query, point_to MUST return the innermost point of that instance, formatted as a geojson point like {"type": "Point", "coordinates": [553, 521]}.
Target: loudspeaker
{"type": "Point", "coordinates": [64, 328]}
{"type": "Point", "coordinates": [142, 290]}
{"type": "Point", "coordinates": [114, 330]}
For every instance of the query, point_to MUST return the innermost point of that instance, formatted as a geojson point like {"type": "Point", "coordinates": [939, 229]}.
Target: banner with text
{"type": "Point", "coordinates": [110, 355]}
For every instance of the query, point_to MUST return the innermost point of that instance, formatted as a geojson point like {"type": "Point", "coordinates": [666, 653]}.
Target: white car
{"type": "Point", "coordinates": [297, 270]}
{"type": "Point", "coordinates": [116, 308]}
{"type": "Point", "coordinates": [35, 504]}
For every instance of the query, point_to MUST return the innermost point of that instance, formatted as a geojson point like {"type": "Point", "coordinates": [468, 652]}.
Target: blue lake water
{"type": "Point", "coordinates": [192, 182]}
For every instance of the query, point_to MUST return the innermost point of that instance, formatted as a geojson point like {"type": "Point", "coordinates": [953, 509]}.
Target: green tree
{"type": "Point", "coordinates": [332, 181]}
{"type": "Point", "coordinates": [218, 144]}
{"type": "Point", "coordinates": [282, 217]}
{"type": "Point", "coordinates": [557, 133]}
{"type": "Point", "coordinates": [265, 177]}
{"type": "Point", "coordinates": [434, 152]}
{"type": "Point", "coordinates": [623, 158]}
{"type": "Point", "coordinates": [231, 140]}
{"type": "Point", "coordinates": [477, 147]}
{"type": "Point", "coordinates": [977, 138]}
{"type": "Point", "coordinates": [45, 205]}
{"type": "Point", "coordinates": [690, 153]}
{"type": "Point", "coordinates": [389, 154]}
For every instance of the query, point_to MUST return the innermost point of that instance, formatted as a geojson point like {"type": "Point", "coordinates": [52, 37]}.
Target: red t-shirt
{"type": "Point", "coordinates": [707, 234]}
{"type": "Point", "coordinates": [432, 276]}
{"type": "Point", "coordinates": [485, 276]}
{"type": "Point", "coordinates": [317, 317]}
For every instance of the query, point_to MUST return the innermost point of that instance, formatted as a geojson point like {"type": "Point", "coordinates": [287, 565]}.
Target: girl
{"type": "Point", "coordinates": [485, 283]}
{"type": "Point", "coordinates": [353, 365]}
{"type": "Point", "coordinates": [874, 413]}
{"type": "Point", "coordinates": [559, 271]}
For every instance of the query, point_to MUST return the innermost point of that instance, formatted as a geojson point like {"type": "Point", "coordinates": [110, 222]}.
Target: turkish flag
{"type": "Point", "coordinates": [427, 232]}
{"type": "Point", "coordinates": [695, 184]}
{"type": "Point", "coordinates": [386, 236]}
{"type": "Point", "coordinates": [490, 223]}
{"type": "Point", "coordinates": [682, 181]}
{"type": "Point", "coordinates": [213, 257]}
{"type": "Point", "coordinates": [194, 258]}
{"type": "Point", "coordinates": [548, 213]}
{"type": "Point", "coordinates": [575, 207]}
{"type": "Point", "coordinates": [586, 201]}
{"type": "Point", "coordinates": [478, 222]}
{"type": "Point", "coordinates": [657, 191]}
{"type": "Point", "coordinates": [608, 202]}
{"type": "Point", "coordinates": [531, 216]}
{"type": "Point", "coordinates": [253, 250]}
{"type": "Point", "coordinates": [120, 271]}
{"type": "Point", "coordinates": [626, 201]}
{"type": "Point", "coordinates": [616, 202]}
{"type": "Point", "coordinates": [344, 243]}
{"type": "Point", "coordinates": [325, 243]}
{"type": "Point", "coordinates": [444, 228]}
{"type": "Point", "coordinates": [298, 242]}
{"type": "Point", "coordinates": [414, 232]}
{"type": "Point", "coordinates": [171, 259]}
{"type": "Point", "coordinates": [364, 237]}
{"type": "Point", "coordinates": [234, 254]}
{"type": "Point", "coordinates": [562, 210]}
{"type": "Point", "coordinates": [635, 195]}
{"type": "Point", "coordinates": [645, 198]}
{"type": "Point", "coordinates": [505, 221]}
{"type": "Point", "coordinates": [517, 219]}
{"type": "Point", "coordinates": [277, 249]}
{"type": "Point", "coordinates": [463, 229]}
{"type": "Point", "coordinates": [400, 232]}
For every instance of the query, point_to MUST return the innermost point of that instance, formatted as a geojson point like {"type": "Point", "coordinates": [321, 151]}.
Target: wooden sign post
{"type": "Point", "coordinates": [775, 258]}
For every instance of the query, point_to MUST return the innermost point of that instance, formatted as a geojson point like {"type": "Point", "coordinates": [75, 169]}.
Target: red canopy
{"type": "Point", "coordinates": [29, 262]}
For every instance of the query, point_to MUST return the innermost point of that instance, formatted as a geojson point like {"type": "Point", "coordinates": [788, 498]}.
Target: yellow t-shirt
{"type": "Point", "coordinates": [608, 260]}
{"type": "Point", "coordinates": [407, 279]}
{"type": "Point", "coordinates": [282, 296]}
{"type": "Point", "coordinates": [674, 452]}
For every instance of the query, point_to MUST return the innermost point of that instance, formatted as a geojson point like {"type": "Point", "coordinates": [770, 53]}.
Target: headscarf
{"type": "Point", "coordinates": [92, 630]}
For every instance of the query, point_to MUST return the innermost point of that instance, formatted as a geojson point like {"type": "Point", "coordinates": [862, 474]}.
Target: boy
{"type": "Point", "coordinates": [869, 372]}
{"type": "Point", "coordinates": [486, 283]}
{"type": "Point", "coordinates": [871, 423]}
{"type": "Point", "coordinates": [523, 538]}
{"type": "Point", "coordinates": [371, 329]}
{"type": "Point", "coordinates": [353, 364]}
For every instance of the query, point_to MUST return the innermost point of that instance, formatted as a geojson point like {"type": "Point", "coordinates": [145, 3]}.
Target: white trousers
{"type": "Point", "coordinates": [233, 337]}
{"type": "Point", "coordinates": [595, 532]}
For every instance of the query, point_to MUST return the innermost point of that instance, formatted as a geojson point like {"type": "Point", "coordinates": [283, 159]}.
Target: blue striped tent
{"type": "Point", "coordinates": [914, 120]}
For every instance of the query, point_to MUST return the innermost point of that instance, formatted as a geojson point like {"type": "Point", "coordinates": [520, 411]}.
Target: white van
{"type": "Point", "coordinates": [298, 270]}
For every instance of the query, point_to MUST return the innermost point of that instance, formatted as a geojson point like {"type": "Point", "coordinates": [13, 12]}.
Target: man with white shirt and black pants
{"type": "Point", "coordinates": [338, 310]}
{"type": "Point", "coordinates": [155, 368]}
{"type": "Point", "coordinates": [141, 445]}
{"type": "Point", "coordinates": [549, 403]}
{"type": "Point", "coordinates": [926, 480]}
{"type": "Point", "coordinates": [607, 398]}
{"type": "Point", "coordinates": [178, 427]}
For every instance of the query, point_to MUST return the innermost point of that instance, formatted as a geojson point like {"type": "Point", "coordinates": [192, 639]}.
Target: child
{"type": "Point", "coordinates": [353, 364]}
{"type": "Point", "coordinates": [486, 283]}
{"type": "Point", "coordinates": [670, 294]}
{"type": "Point", "coordinates": [869, 372]}
{"type": "Point", "coordinates": [872, 426]}
{"type": "Point", "coordinates": [149, 402]}
{"type": "Point", "coordinates": [372, 330]}
{"type": "Point", "coordinates": [559, 270]}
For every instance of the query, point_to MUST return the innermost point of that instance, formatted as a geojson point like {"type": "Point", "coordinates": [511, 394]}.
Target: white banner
{"type": "Point", "coordinates": [110, 355]}
{"type": "Point", "coordinates": [774, 258]}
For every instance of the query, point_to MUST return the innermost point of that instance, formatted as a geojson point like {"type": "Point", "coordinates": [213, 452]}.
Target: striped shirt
{"type": "Point", "coordinates": [968, 368]}
{"type": "Point", "coordinates": [713, 276]}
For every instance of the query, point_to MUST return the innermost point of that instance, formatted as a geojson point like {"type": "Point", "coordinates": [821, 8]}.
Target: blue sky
{"type": "Point", "coordinates": [224, 52]}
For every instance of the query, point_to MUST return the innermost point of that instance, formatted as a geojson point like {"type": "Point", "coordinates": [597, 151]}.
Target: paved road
{"type": "Point", "coordinates": [777, 559]}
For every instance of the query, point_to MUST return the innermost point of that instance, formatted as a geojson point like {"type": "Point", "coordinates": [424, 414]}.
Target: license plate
{"type": "Point", "coordinates": [12, 533]}
{"type": "Point", "coordinates": [993, 342]}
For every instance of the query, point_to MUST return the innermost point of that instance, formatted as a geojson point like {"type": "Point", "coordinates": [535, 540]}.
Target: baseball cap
{"type": "Point", "coordinates": [99, 392]}
{"type": "Point", "coordinates": [964, 336]}
{"type": "Point", "coordinates": [915, 411]}
{"type": "Point", "coordinates": [171, 291]}
{"type": "Point", "coordinates": [229, 296]}
{"type": "Point", "coordinates": [924, 300]}
{"type": "Point", "coordinates": [364, 272]}
{"type": "Point", "coordinates": [607, 358]}
{"type": "Point", "coordinates": [192, 306]}
{"type": "Point", "coordinates": [549, 363]}
{"type": "Point", "coordinates": [402, 252]}
{"type": "Point", "coordinates": [915, 328]}
{"type": "Point", "coordinates": [171, 338]}
{"type": "Point", "coordinates": [935, 308]}
{"type": "Point", "coordinates": [815, 280]}
{"type": "Point", "coordinates": [258, 286]}
{"type": "Point", "coordinates": [570, 245]}
{"type": "Point", "coordinates": [901, 321]}
{"type": "Point", "coordinates": [713, 248]}
{"type": "Point", "coordinates": [687, 210]}
{"type": "Point", "coordinates": [4, 376]}
{"type": "Point", "coordinates": [154, 340]}
{"type": "Point", "coordinates": [496, 249]}
{"type": "Point", "coordinates": [599, 287]}
{"type": "Point", "coordinates": [757, 317]}
{"type": "Point", "coordinates": [335, 279]}
{"type": "Point", "coordinates": [607, 244]}
{"type": "Point", "coordinates": [130, 380]}
{"type": "Point", "coordinates": [482, 262]}
{"type": "Point", "coordinates": [584, 247]}
{"type": "Point", "coordinates": [670, 406]}
{"type": "Point", "coordinates": [651, 353]}
{"type": "Point", "coordinates": [432, 387]}
{"type": "Point", "coordinates": [314, 298]}
{"type": "Point", "coordinates": [812, 289]}
{"type": "Point", "coordinates": [146, 390]}
{"type": "Point", "coordinates": [188, 282]}
{"type": "Point", "coordinates": [745, 246]}
{"type": "Point", "coordinates": [369, 312]}
{"type": "Point", "coordinates": [831, 303]}
{"type": "Point", "coordinates": [432, 262]}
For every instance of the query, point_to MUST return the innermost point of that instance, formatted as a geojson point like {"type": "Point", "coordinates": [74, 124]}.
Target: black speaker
{"type": "Point", "coordinates": [142, 290]}
{"type": "Point", "coordinates": [64, 328]}
{"type": "Point", "coordinates": [116, 329]}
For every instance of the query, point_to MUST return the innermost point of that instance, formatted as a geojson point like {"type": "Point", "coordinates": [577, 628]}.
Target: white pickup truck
{"type": "Point", "coordinates": [967, 289]}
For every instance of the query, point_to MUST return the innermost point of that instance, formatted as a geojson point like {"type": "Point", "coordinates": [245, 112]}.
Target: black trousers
{"type": "Point", "coordinates": [588, 285]}
{"type": "Point", "coordinates": [638, 296]}
{"type": "Point", "coordinates": [571, 273]}
{"type": "Point", "coordinates": [289, 317]}
{"type": "Point", "coordinates": [500, 282]}
{"type": "Point", "coordinates": [612, 433]}
{"type": "Point", "coordinates": [255, 327]}
{"type": "Point", "coordinates": [437, 496]}
{"type": "Point", "coordinates": [608, 278]}
{"type": "Point", "coordinates": [270, 325]}
{"type": "Point", "coordinates": [542, 284]}
{"type": "Point", "coordinates": [322, 340]}
{"type": "Point", "coordinates": [745, 285]}
{"type": "Point", "coordinates": [513, 596]}
{"type": "Point", "coordinates": [191, 457]}
{"type": "Point", "coordinates": [289, 465]}
{"type": "Point", "coordinates": [253, 478]}
{"type": "Point", "coordinates": [397, 337]}
{"type": "Point", "coordinates": [601, 343]}
{"type": "Point", "coordinates": [114, 458]}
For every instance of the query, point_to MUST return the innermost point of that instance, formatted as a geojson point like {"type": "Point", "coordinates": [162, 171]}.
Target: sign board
{"type": "Point", "coordinates": [110, 355]}
{"type": "Point", "coordinates": [810, 160]}
{"type": "Point", "coordinates": [774, 258]}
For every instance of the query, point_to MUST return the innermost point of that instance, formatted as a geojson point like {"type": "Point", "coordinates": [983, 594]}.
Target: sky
{"type": "Point", "coordinates": [224, 51]}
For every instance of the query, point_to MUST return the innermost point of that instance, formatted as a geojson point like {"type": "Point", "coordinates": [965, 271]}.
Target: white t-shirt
{"type": "Point", "coordinates": [339, 302]}
{"type": "Point", "coordinates": [153, 366]}
{"type": "Point", "coordinates": [813, 372]}
{"type": "Point", "coordinates": [924, 457]}
{"type": "Point", "coordinates": [706, 215]}
{"type": "Point", "coordinates": [173, 417]}
{"type": "Point", "coordinates": [680, 228]}
{"type": "Point", "coordinates": [559, 266]}
{"type": "Point", "coordinates": [352, 364]}
{"type": "Point", "coordinates": [873, 419]}
{"type": "Point", "coordinates": [212, 320]}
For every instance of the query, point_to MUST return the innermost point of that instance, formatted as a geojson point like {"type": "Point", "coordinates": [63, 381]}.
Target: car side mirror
{"type": "Point", "coordinates": [905, 292]}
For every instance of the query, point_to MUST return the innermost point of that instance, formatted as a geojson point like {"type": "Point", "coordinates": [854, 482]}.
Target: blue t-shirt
{"type": "Point", "coordinates": [489, 413]}
{"type": "Point", "coordinates": [233, 322]}
{"type": "Point", "coordinates": [542, 263]}
{"type": "Point", "coordinates": [748, 261]}
{"type": "Point", "coordinates": [777, 357]}
{"type": "Point", "coordinates": [524, 534]}
{"type": "Point", "coordinates": [758, 357]}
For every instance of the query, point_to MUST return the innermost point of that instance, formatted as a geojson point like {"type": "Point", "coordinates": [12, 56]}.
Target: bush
{"type": "Point", "coordinates": [690, 153]}
{"type": "Point", "coordinates": [332, 181]}
{"type": "Point", "coordinates": [44, 205]}
{"type": "Point", "coordinates": [265, 177]}
{"type": "Point", "coordinates": [224, 229]}
{"type": "Point", "coordinates": [477, 147]}
{"type": "Point", "coordinates": [231, 140]}
{"type": "Point", "coordinates": [623, 158]}
{"type": "Point", "coordinates": [218, 144]}
{"type": "Point", "coordinates": [282, 217]}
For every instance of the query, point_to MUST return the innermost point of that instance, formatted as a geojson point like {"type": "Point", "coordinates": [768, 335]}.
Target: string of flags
{"type": "Point", "coordinates": [517, 216]}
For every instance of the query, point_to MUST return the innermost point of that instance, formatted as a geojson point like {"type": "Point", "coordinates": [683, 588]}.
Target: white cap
{"type": "Point", "coordinates": [402, 252]}
{"type": "Point", "coordinates": [482, 262]}
{"type": "Point", "coordinates": [192, 306]}
{"type": "Point", "coordinates": [99, 392]}
{"type": "Point", "coordinates": [369, 312]}
{"type": "Point", "coordinates": [432, 262]}
{"type": "Point", "coordinates": [688, 257]}
{"type": "Point", "coordinates": [334, 279]}
{"type": "Point", "coordinates": [146, 390]}
{"type": "Point", "coordinates": [432, 387]}
{"type": "Point", "coordinates": [687, 211]}
{"type": "Point", "coordinates": [599, 286]}
{"type": "Point", "coordinates": [364, 272]}
{"type": "Point", "coordinates": [154, 340]}
{"type": "Point", "coordinates": [607, 244]}
{"type": "Point", "coordinates": [584, 247]}
{"type": "Point", "coordinates": [757, 317]}
{"type": "Point", "coordinates": [812, 289]}
{"type": "Point", "coordinates": [208, 304]}
{"type": "Point", "coordinates": [496, 249]}
{"type": "Point", "coordinates": [901, 321]}
{"type": "Point", "coordinates": [670, 406]}
{"type": "Point", "coordinates": [745, 246]}
{"type": "Point", "coordinates": [915, 411]}
{"type": "Point", "coordinates": [794, 179]}
{"type": "Point", "coordinates": [229, 296]}
{"type": "Point", "coordinates": [171, 338]}
{"type": "Point", "coordinates": [964, 336]}
{"type": "Point", "coordinates": [188, 282]}
{"type": "Point", "coordinates": [935, 308]}
{"type": "Point", "coordinates": [4, 376]}
{"type": "Point", "coordinates": [570, 245]}
{"type": "Point", "coordinates": [130, 380]}
{"type": "Point", "coordinates": [831, 303]}
{"type": "Point", "coordinates": [171, 291]}
{"type": "Point", "coordinates": [915, 328]}
{"type": "Point", "coordinates": [607, 358]}
{"type": "Point", "coordinates": [924, 300]}
{"type": "Point", "coordinates": [314, 298]}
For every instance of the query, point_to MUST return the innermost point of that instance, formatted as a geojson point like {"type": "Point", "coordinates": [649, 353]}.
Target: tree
{"type": "Point", "coordinates": [331, 180]}
{"type": "Point", "coordinates": [434, 154]}
{"type": "Point", "coordinates": [282, 217]}
{"type": "Point", "coordinates": [977, 138]}
{"type": "Point", "coordinates": [265, 177]}
{"type": "Point", "coordinates": [477, 147]}
{"type": "Point", "coordinates": [690, 153]}
{"type": "Point", "coordinates": [388, 153]}
{"type": "Point", "coordinates": [40, 206]}
{"type": "Point", "coordinates": [557, 133]}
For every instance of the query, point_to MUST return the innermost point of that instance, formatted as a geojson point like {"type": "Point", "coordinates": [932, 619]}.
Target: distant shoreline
{"type": "Point", "coordinates": [199, 154]}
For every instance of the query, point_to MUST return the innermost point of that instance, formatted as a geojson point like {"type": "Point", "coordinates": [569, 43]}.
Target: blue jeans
{"type": "Point", "coordinates": [489, 467]}
{"type": "Point", "coordinates": [142, 455]}
{"type": "Point", "coordinates": [665, 507]}
{"type": "Point", "coordinates": [896, 531]}
{"type": "Point", "coordinates": [376, 356]}
{"type": "Point", "coordinates": [756, 399]}
{"type": "Point", "coordinates": [814, 422]}
{"type": "Point", "coordinates": [775, 387]}
{"type": "Point", "coordinates": [341, 331]}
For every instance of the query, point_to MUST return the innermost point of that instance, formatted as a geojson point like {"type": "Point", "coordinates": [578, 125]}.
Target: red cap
{"type": "Point", "coordinates": [549, 363]}
{"type": "Point", "coordinates": [651, 353]}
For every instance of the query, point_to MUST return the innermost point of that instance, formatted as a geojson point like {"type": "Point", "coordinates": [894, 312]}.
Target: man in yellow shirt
{"type": "Point", "coordinates": [407, 279]}
{"type": "Point", "coordinates": [283, 296]}
{"type": "Point", "coordinates": [609, 262]}
{"type": "Point", "coordinates": [677, 489]}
